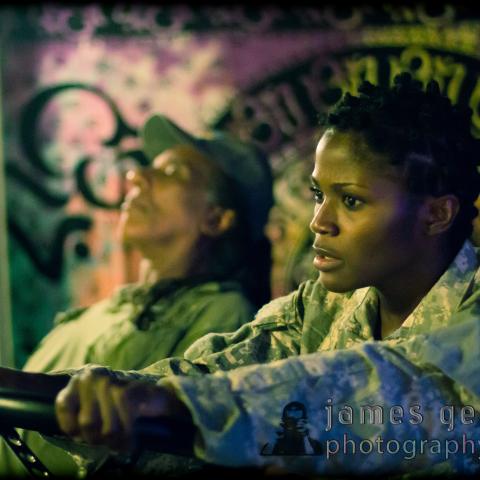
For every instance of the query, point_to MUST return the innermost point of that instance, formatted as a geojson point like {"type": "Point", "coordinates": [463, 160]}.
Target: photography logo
{"type": "Point", "coordinates": [294, 437]}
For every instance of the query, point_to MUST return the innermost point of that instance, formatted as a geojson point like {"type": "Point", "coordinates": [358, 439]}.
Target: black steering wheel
{"type": "Point", "coordinates": [36, 411]}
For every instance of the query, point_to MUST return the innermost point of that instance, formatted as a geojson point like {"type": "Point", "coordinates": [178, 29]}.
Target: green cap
{"type": "Point", "coordinates": [244, 164]}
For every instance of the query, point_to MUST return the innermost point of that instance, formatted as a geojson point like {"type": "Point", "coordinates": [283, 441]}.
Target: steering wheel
{"type": "Point", "coordinates": [36, 411]}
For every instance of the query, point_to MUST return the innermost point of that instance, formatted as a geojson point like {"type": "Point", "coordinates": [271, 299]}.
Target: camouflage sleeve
{"type": "Point", "coordinates": [222, 313]}
{"type": "Point", "coordinates": [376, 408]}
{"type": "Point", "coordinates": [274, 334]}
{"type": "Point", "coordinates": [69, 315]}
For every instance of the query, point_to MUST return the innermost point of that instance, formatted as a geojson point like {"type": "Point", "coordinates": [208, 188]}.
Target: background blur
{"type": "Point", "coordinates": [79, 81]}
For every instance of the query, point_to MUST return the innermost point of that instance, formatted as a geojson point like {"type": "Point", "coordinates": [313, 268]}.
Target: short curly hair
{"type": "Point", "coordinates": [423, 133]}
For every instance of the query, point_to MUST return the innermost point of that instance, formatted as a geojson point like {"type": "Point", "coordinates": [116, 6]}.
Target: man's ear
{"type": "Point", "coordinates": [218, 220]}
{"type": "Point", "coordinates": [440, 213]}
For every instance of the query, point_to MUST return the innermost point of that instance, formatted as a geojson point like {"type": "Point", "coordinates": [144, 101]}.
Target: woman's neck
{"type": "Point", "coordinates": [399, 298]}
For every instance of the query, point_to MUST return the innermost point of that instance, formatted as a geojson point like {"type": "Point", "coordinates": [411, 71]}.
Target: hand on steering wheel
{"type": "Point", "coordinates": [98, 408]}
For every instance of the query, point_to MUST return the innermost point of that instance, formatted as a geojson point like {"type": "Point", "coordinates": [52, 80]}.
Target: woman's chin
{"type": "Point", "coordinates": [334, 284]}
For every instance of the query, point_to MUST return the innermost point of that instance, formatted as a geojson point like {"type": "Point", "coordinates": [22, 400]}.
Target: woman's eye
{"type": "Point", "coordinates": [317, 194]}
{"type": "Point", "coordinates": [351, 202]}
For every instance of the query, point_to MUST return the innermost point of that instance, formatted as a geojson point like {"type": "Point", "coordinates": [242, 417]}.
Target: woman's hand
{"type": "Point", "coordinates": [95, 407]}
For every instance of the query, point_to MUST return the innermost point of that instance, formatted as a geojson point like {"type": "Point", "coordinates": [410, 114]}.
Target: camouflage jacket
{"type": "Point", "coordinates": [406, 403]}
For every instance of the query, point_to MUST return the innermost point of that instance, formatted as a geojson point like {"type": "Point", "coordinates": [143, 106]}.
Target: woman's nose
{"type": "Point", "coordinates": [324, 221]}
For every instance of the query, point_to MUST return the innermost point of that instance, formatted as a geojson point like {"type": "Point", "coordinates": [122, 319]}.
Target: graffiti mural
{"type": "Point", "coordinates": [80, 81]}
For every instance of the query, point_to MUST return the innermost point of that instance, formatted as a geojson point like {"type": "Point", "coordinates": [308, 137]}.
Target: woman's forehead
{"type": "Point", "coordinates": [351, 141]}
{"type": "Point", "coordinates": [340, 152]}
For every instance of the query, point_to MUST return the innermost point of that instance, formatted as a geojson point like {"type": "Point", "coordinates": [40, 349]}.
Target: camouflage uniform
{"type": "Point", "coordinates": [317, 348]}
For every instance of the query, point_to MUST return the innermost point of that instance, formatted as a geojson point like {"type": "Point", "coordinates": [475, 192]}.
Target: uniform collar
{"type": "Point", "coordinates": [445, 297]}
{"type": "Point", "coordinates": [434, 311]}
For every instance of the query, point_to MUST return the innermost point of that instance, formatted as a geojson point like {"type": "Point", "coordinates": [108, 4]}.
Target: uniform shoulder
{"type": "Point", "coordinates": [290, 308]}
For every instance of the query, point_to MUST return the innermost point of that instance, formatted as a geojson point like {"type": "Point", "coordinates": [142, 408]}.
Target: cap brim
{"type": "Point", "coordinates": [159, 134]}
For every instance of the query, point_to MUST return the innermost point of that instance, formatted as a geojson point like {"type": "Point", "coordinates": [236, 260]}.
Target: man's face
{"type": "Point", "coordinates": [294, 418]}
{"type": "Point", "coordinates": [367, 227]}
{"type": "Point", "coordinates": [167, 201]}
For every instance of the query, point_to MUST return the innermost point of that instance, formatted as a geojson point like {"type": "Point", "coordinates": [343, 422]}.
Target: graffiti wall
{"type": "Point", "coordinates": [78, 83]}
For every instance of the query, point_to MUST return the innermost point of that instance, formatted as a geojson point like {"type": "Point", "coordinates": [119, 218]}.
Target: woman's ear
{"type": "Point", "coordinates": [218, 220]}
{"type": "Point", "coordinates": [440, 213]}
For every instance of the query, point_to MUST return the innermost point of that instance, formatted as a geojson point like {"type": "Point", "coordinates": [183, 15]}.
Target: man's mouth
{"type": "Point", "coordinates": [134, 203]}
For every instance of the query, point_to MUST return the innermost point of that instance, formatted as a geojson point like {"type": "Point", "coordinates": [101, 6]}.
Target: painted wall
{"type": "Point", "coordinates": [78, 82]}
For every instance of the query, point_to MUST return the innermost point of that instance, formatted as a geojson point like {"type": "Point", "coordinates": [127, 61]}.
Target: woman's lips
{"type": "Point", "coordinates": [326, 264]}
{"type": "Point", "coordinates": [325, 261]}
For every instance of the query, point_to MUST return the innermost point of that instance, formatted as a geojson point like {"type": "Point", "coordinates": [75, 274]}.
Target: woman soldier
{"type": "Point", "coordinates": [378, 350]}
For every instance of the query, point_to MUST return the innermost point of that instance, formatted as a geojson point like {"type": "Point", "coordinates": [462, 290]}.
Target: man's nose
{"type": "Point", "coordinates": [324, 221]}
{"type": "Point", "coordinates": [137, 176]}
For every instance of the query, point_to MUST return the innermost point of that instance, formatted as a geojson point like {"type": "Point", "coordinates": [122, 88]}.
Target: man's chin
{"type": "Point", "coordinates": [128, 240]}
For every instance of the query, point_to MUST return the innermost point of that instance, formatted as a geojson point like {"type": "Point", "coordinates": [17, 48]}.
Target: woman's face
{"type": "Point", "coordinates": [367, 227]}
{"type": "Point", "coordinates": [167, 202]}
